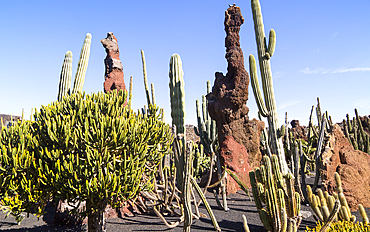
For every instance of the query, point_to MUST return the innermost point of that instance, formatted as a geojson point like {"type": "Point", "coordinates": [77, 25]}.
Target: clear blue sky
{"type": "Point", "coordinates": [322, 50]}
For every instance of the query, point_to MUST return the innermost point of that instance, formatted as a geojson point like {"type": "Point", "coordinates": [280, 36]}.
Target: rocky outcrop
{"type": "Point", "coordinates": [238, 136]}
{"type": "Point", "coordinates": [297, 130]}
{"type": "Point", "coordinates": [353, 166]}
{"type": "Point", "coordinates": [113, 67]}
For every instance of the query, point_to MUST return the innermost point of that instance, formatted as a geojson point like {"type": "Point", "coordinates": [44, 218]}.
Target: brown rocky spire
{"type": "Point", "coordinates": [239, 138]}
{"type": "Point", "coordinates": [113, 66]}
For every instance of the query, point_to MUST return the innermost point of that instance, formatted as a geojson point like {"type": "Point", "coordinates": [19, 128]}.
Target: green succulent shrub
{"type": "Point", "coordinates": [342, 226]}
{"type": "Point", "coordinates": [91, 148]}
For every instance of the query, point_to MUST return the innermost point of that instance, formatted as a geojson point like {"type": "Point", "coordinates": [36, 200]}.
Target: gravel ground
{"type": "Point", "coordinates": [230, 221]}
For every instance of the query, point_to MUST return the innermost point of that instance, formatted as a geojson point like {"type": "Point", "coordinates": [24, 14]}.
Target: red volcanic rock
{"type": "Point", "coordinates": [113, 66]}
{"type": "Point", "coordinates": [353, 166]}
{"type": "Point", "coordinates": [227, 106]}
{"type": "Point", "coordinates": [235, 157]}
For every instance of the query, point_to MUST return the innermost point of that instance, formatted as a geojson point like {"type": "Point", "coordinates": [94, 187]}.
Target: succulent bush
{"type": "Point", "coordinates": [342, 226]}
{"type": "Point", "coordinates": [91, 148]}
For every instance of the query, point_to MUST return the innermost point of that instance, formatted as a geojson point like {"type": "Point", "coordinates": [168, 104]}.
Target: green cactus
{"type": "Point", "coordinates": [145, 78]}
{"type": "Point", "coordinates": [322, 203]}
{"type": "Point", "coordinates": [282, 204]}
{"type": "Point", "coordinates": [206, 129]}
{"type": "Point", "coordinates": [65, 76]}
{"type": "Point", "coordinates": [266, 108]}
{"type": "Point", "coordinates": [66, 73]}
{"type": "Point", "coordinates": [183, 151]}
{"type": "Point", "coordinates": [177, 93]}
{"type": "Point", "coordinates": [355, 133]}
{"type": "Point", "coordinates": [82, 65]}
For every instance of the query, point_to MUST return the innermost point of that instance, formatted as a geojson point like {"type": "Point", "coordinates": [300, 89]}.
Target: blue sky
{"type": "Point", "coordinates": [321, 50]}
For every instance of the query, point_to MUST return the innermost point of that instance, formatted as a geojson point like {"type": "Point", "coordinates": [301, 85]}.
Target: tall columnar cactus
{"type": "Point", "coordinates": [177, 93]}
{"type": "Point", "coordinates": [82, 65]}
{"type": "Point", "coordinates": [266, 107]}
{"type": "Point", "coordinates": [277, 203]}
{"type": "Point", "coordinates": [66, 73]}
{"type": "Point", "coordinates": [145, 78]}
{"type": "Point", "coordinates": [65, 76]}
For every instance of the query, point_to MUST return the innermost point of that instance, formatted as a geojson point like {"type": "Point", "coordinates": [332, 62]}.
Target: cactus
{"type": "Point", "coordinates": [145, 78]}
{"type": "Point", "coordinates": [267, 108]}
{"type": "Point", "coordinates": [183, 153]}
{"type": "Point", "coordinates": [177, 93]}
{"type": "Point", "coordinates": [206, 129]}
{"type": "Point", "coordinates": [66, 73]}
{"type": "Point", "coordinates": [282, 203]}
{"type": "Point", "coordinates": [355, 133]}
{"type": "Point", "coordinates": [82, 65]}
{"type": "Point", "coordinates": [323, 202]}
{"type": "Point", "coordinates": [65, 76]}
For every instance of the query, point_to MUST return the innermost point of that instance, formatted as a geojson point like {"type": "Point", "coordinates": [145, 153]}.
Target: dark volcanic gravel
{"type": "Point", "coordinates": [230, 221]}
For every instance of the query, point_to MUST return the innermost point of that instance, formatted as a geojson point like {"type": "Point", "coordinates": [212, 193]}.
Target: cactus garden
{"type": "Point", "coordinates": [117, 158]}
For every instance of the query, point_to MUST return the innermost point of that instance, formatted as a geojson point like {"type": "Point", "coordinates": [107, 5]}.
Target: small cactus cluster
{"type": "Point", "coordinates": [276, 200]}
{"type": "Point", "coordinates": [206, 130]}
{"type": "Point", "coordinates": [354, 131]}
{"type": "Point", "coordinates": [323, 203]}
{"type": "Point", "coordinates": [66, 73]}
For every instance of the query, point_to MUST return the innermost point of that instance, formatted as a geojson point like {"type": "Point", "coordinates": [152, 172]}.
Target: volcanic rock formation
{"type": "Point", "coordinates": [113, 66]}
{"type": "Point", "coordinates": [239, 138]}
{"type": "Point", "coordinates": [352, 165]}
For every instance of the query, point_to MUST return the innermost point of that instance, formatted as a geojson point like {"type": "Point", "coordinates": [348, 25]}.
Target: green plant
{"type": "Point", "coordinates": [322, 203]}
{"type": "Point", "coordinates": [183, 150]}
{"type": "Point", "coordinates": [177, 94]}
{"type": "Point", "coordinates": [354, 131]}
{"type": "Point", "coordinates": [91, 148]}
{"type": "Point", "coordinates": [341, 226]}
{"type": "Point", "coordinates": [21, 187]}
{"type": "Point", "coordinates": [277, 203]}
{"type": "Point", "coordinates": [266, 108]}
{"type": "Point", "coordinates": [66, 73]}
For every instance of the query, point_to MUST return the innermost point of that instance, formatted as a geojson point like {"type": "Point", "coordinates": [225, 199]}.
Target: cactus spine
{"type": "Point", "coordinates": [66, 73]}
{"type": "Point", "coordinates": [267, 108]}
{"type": "Point", "coordinates": [65, 76]}
{"type": "Point", "coordinates": [177, 93]}
{"type": "Point", "coordinates": [82, 65]}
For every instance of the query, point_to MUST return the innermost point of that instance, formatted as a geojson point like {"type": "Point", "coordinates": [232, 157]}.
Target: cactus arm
{"type": "Point", "coordinates": [255, 86]}
{"type": "Point", "coordinates": [363, 214]}
{"type": "Point", "coordinates": [206, 204]}
{"type": "Point", "coordinates": [65, 76]}
{"type": "Point", "coordinates": [153, 93]}
{"type": "Point", "coordinates": [130, 93]}
{"type": "Point", "coordinates": [245, 224]}
{"type": "Point", "coordinates": [331, 217]}
{"type": "Point", "coordinates": [272, 43]}
{"type": "Point", "coordinates": [188, 219]}
{"type": "Point", "coordinates": [82, 65]}
{"type": "Point", "coordinates": [145, 77]}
